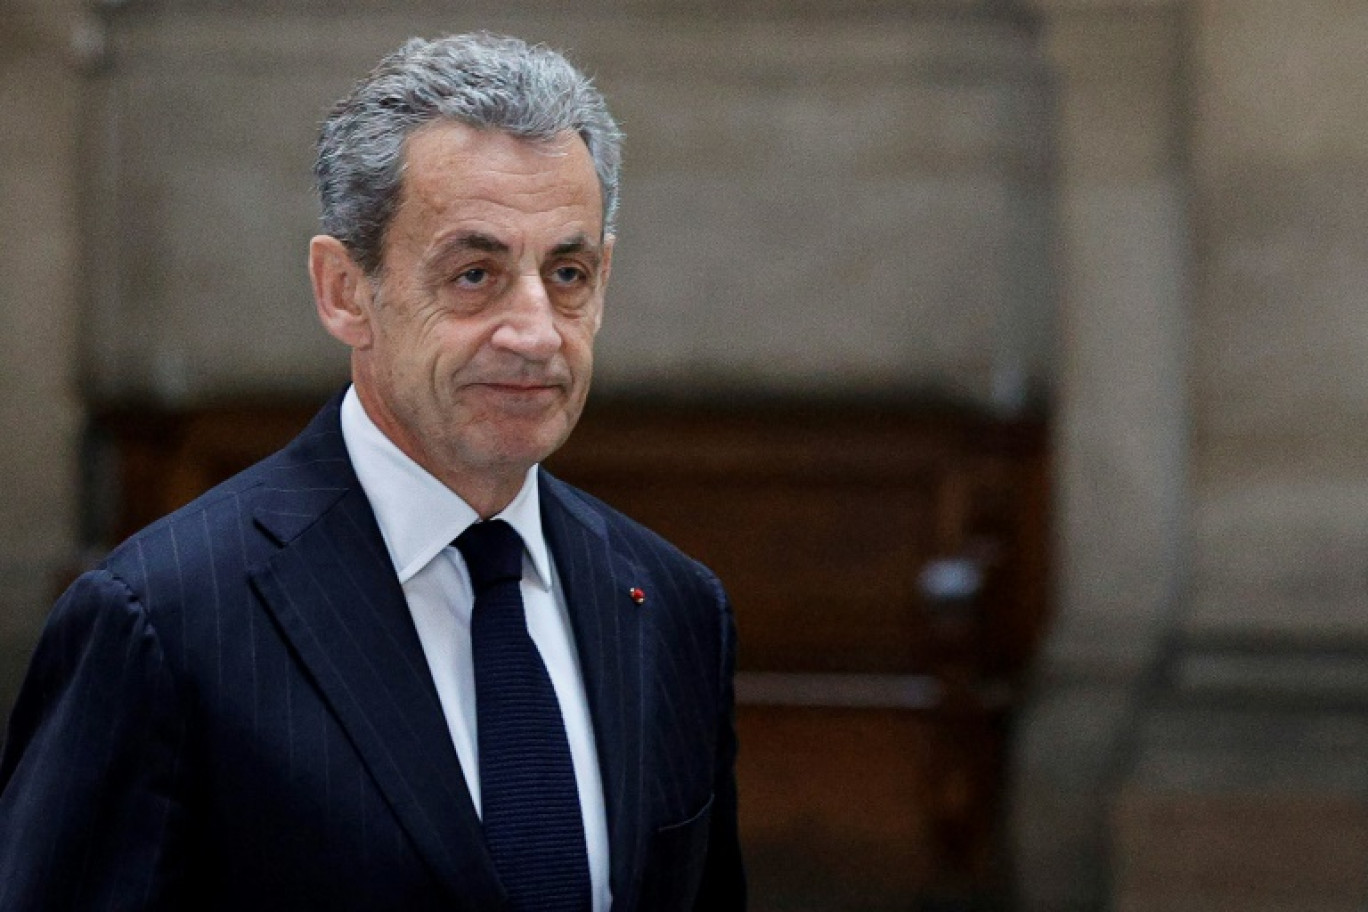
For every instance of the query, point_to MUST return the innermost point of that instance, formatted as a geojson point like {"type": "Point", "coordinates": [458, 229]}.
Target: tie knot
{"type": "Point", "coordinates": [492, 552]}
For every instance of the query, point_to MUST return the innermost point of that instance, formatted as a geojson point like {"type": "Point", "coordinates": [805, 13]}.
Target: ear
{"type": "Point", "coordinates": [605, 270]}
{"type": "Point", "coordinates": [342, 293]}
{"type": "Point", "coordinates": [609, 242]}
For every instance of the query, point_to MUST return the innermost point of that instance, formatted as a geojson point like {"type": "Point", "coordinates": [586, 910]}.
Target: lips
{"type": "Point", "coordinates": [516, 387]}
{"type": "Point", "coordinates": [518, 397]}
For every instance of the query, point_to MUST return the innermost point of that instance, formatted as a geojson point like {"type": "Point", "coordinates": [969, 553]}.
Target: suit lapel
{"type": "Point", "coordinates": [607, 626]}
{"type": "Point", "coordinates": [334, 594]}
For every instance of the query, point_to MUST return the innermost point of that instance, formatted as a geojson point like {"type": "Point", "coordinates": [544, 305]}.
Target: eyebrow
{"type": "Point", "coordinates": [469, 240]}
{"type": "Point", "coordinates": [476, 240]}
{"type": "Point", "coordinates": [579, 244]}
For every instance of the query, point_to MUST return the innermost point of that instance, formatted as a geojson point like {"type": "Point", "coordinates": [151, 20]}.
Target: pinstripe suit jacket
{"type": "Point", "coordinates": [234, 712]}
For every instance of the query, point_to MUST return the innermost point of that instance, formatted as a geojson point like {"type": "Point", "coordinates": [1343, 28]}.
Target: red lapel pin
{"type": "Point", "coordinates": [638, 595]}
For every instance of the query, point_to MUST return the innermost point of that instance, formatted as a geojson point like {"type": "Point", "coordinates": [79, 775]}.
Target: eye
{"type": "Point", "coordinates": [473, 277]}
{"type": "Point", "coordinates": [569, 275]}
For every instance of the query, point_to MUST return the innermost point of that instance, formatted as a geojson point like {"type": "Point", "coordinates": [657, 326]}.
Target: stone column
{"type": "Point", "coordinates": [1249, 787]}
{"type": "Point", "coordinates": [1121, 435]}
{"type": "Point", "coordinates": [39, 408]}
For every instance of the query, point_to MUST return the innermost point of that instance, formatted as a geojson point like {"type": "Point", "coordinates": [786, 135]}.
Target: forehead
{"type": "Point", "coordinates": [453, 171]}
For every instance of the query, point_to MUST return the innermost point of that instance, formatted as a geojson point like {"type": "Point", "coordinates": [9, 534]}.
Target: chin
{"type": "Point", "coordinates": [525, 449]}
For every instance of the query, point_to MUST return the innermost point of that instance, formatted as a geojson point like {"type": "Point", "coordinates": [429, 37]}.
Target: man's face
{"type": "Point", "coordinates": [483, 316]}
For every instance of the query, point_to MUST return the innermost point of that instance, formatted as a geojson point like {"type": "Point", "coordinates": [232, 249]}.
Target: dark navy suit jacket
{"type": "Point", "coordinates": [234, 712]}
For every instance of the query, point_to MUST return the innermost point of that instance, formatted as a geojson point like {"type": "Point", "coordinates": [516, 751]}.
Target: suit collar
{"type": "Point", "coordinates": [598, 579]}
{"type": "Point", "coordinates": [305, 479]}
{"type": "Point", "coordinates": [332, 590]}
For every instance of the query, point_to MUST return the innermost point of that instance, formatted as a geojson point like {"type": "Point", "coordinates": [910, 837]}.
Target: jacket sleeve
{"type": "Point", "coordinates": [89, 811]}
{"type": "Point", "coordinates": [723, 887]}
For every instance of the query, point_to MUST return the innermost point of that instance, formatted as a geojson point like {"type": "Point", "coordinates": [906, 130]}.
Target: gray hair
{"type": "Point", "coordinates": [479, 79]}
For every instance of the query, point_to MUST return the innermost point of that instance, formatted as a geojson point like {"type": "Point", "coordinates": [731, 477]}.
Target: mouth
{"type": "Point", "coordinates": [517, 388]}
{"type": "Point", "coordinates": [513, 397]}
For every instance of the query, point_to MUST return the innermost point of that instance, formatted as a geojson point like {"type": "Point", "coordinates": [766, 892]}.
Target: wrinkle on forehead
{"type": "Point", "coordinates": [503, 151]}
{"type": "Point", "coordinates": [493, 154]}
{"type": "Point", "coordinates": [463, 240]}
{"type": "Point", "coordinates": [499, 174]}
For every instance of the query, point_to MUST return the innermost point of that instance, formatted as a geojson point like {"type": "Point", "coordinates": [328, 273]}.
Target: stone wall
{"type": "Point", "coordinates": [1280, 142]}
{"type": "Point", "coordinates": [1121, 437]}
{"type": "Point", "coordinates": [817, 197]}
{"type": "Point", "coordinates": [1247, 787]}
{"type": "Point", "coordinates": [39, 265]}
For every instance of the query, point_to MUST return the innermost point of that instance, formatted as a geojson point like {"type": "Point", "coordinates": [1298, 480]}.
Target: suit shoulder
{"type": "Point", "coordinates": [182, 543]}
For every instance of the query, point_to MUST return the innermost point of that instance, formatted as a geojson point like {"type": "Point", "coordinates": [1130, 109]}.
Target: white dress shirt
{"type": "Point", "coordinates": [419, 517]}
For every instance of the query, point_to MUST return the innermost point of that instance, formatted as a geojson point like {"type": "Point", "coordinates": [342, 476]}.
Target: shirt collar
{"type": "Point", "coordinates": [417, 514]}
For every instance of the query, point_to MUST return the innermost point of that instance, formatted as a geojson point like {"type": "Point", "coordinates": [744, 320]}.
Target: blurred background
{"type": "Point", "coordinates": [1007, 358]}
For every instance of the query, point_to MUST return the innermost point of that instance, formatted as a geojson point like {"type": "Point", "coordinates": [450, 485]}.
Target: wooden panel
{"type": "Point", "coordinates": [158, 460]}
{"type": "Point", "coordinates": [820, 521]}
{"type": "Point", "coordinates": [825, 574]}
{"type": "Point", "coordinates": [865, 809]}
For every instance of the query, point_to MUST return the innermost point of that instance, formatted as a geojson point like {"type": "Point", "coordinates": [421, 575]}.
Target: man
{"type": "Point", "coordinates": [302, 691]}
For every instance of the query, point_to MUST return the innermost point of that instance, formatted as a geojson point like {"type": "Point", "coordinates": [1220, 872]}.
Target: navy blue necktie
{"type": "Point", "coordinates": [530, 804]}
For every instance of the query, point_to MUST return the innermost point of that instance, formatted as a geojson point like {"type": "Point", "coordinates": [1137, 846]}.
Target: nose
{"type": "Point", "coordinates": [528, 323]}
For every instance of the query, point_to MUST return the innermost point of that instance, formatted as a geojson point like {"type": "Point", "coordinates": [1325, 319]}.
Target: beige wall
{"type": "Point", "coordinates": [1246, 785]}
{"type": "Point", "coordinates": [39, 407]}
{"type": "Point", "coordinates": [1121, 435]}
{"type": "Point", "coordinates": [1280, 144]}
{"type": "Point", "coordinates": [815, 198]}
{"type": "Point", "coordinates": [1211, 464]}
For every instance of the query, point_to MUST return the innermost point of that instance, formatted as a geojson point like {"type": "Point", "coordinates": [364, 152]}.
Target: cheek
{"type": "Point", "coordinates": [578, 353]}
{"type": "Point", "coordinates": [577, 336]}
{"type": "Point", "coordinates": [450, 343]}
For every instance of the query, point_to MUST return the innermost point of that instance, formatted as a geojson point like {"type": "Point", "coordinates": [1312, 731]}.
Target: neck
{"type": "Point", "coordinates": [486, 490]}
{"type": "Point", "coordinates": [485, 497]}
